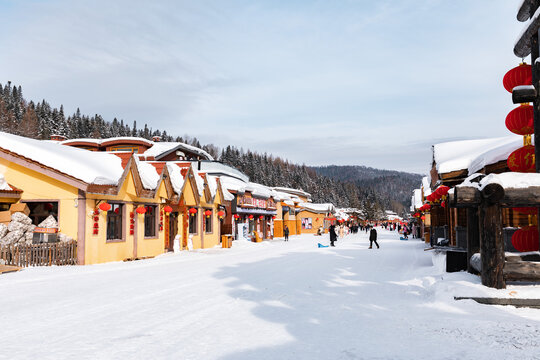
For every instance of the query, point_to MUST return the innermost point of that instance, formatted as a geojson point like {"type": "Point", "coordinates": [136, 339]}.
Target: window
{"type": "Point", "coordinates": [4, 206]}
{"type": "Point", "coordinates": [134, 149]}
{"type": "Point", "coordinates": [39, 211]}
{"type": "Point", "coordinates": [208, 223]}
{"type": "Point", "coordinates": [193, 223]}
{"type": "Point", "coordinates": [150, 221]}
{"type": "Point", "coordinates": [114, 222]}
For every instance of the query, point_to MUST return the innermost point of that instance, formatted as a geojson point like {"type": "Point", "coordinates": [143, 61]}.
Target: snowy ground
{"type": "Point", "coordinates": [272, 300]}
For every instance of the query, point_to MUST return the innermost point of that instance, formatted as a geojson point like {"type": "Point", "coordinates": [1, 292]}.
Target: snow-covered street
{"type": "Point", "coordinates": [270, 300]}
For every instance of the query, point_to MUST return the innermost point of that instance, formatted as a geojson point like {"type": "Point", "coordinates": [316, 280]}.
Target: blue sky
{"type": "Point", "coordinates": [347, 82]}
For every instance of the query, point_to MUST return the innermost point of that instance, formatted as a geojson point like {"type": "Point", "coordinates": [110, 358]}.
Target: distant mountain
{"type": "Point", "coordinates": [392, 187]}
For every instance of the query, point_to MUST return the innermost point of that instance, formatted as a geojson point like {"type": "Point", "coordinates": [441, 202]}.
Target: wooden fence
{"type": "Point", "coordinates": [40, 254]}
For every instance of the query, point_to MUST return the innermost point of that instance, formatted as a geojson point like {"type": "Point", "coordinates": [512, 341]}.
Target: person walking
{"type": "Point", "coordinates": [373, 238]}
{"type": "Point", "coordinates": [333, 235]}
{"type": "Point", "coordinates": [286, 233]}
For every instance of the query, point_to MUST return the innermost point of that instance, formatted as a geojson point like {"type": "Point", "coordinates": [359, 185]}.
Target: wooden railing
{"type": "Point", "coordinates": [40, 254]}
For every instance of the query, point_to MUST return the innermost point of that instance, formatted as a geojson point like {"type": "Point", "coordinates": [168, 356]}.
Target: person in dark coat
{"type": "Point", "coordinates": [286, 233]}
{"type": "Point", "coordinates": [333, 235]}
{"type": "Point", "coordinates": [373, 238]}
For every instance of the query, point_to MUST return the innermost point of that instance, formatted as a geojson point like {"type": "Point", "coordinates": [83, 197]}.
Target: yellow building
{"type": "Point", "coordinates": [115, 209]}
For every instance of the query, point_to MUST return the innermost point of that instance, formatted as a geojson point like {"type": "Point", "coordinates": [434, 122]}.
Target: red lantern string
{"type": "Point", "coordinates": [520, 75]}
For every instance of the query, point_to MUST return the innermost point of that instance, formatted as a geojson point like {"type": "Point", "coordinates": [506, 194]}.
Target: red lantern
{"type": "Point", "coordinates": [236, 216]}
{"type": "Point", "coordinates": [520, 120]}
{"type": "Point", "coordinates": [443, 204]}
{"type": "Point", "coordinates": [442, 190]}
{"type": "Point", "coordinates": [430, 197]}
{"type": "Point", "coordinates": [192, 211]}
{"type": "Point", "coordinates": [520, 75]}
{"type": "Point", "coordinates": [423, 217]}
{"type": "Point", "coordinates": [417, 215]}
{"type": "Point", "coordinates": [522, 160]}
{"type": "Point", "coordinates": [526, 210]}
{"type": "Point", "coordinates": [96, 225]}
{"type": "Point", "coordinates": [167, 209]}
{"type": "Point", "coordinates": [427, 207]}
{"type": "Point", "coordinates": [274, 218]}
{"type": "Point", "coordinates": [221, 213]}
{"type": "Point", "coordinates": [261, 217]}
{"type": "Point", "coordinates": [250, 217]}
{"type": "Point", "coordinates": [141, 210]}
{"type": "Point", "coordinates": [526, 239]}
{"type": "Point", "coordinates": [96, 231]}
{"type": "Point", "coordinates": [207, 213]}
{"type": "Point", "coordinates": [105, 206]}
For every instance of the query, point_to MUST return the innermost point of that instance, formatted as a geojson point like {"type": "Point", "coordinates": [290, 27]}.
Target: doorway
{"type": "Point", "coordinates": [173, 230]}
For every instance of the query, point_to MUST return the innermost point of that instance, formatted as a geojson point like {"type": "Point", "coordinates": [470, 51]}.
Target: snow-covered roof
{"type": "Point", "coordinates": [160, 149]}
{"type": "Point", "coordinates": [292, 191]}
{"type": "Point", "coordinates": [513, 180]}
{"type": "Point", "coordinates": [88, 166]}
{"type": "Point", "coordinates": [259, 190]}
{"type": "Point", "coordinates": [217, 168]}
{"type": "Point", "coordinates": [465, 154]}
{"type": "Point", "coordinates": [148, 173]}
{"type": "Point", "coordinates": [177, 179]}
{"type": "Point", "coordinates": [233, 184]}
{"type": "Point", "coordinates": [101, 141]}
{"type": "Point", "coordinates": [426, 186]}
{"type": "Point", "coordinates": [416, 200]}
{"type": "Point", "coordinates": [318, 208]}
{"type": "Point", "coordinates": [212, 184]}
{"type": "Point", "coordinates": [199, 181]}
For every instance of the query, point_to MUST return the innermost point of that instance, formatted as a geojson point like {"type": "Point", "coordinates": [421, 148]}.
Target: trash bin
{"type": "Point", "coordinates": [226, 241]}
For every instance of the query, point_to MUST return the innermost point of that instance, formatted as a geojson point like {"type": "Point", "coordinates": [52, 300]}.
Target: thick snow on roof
{"type": "Point", "coordinates": [293, 191]}
{"type": "Point", "coordinates": [88, 166]}
{"type": "Point", "coordinates": [177, 179]}
{"type": "Point", "coordinates": [217, 168]}
{"type": "Point", "coordinates": [3, 183]}
{"type": "Point", "coordinates": [496, 153]}
{"type": "Point", "coordinates": [200, 182]}
{"type": "Point", "coordinates": [101, 141]}
{"type": "Point", "coordinates": [459, 155]}
{"type": "Point", "coordinates": [416, 200]}
{"type": "Point", "coordinates": [426, 186]}
{"type": "Point", "coordinates": [227, 196]}
{"type": "Point", "coordinates": [212, 184]}
{"type": "Point", "coordinates": [161, 148]}
{"type": "Point", "coordinates": [321, 208]}
{"type": "Point", "coordinates": [149, 175]}
{"type": "Point", "coordinates": [233, 184]}
{"type": "Point", "coordinates": [512, 180]}
{"type": "Point", "coordinates": [259, 190]}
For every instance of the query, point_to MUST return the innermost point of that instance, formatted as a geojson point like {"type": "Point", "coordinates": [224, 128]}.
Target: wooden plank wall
{"type": "Point", "coordinates": [40, 254]}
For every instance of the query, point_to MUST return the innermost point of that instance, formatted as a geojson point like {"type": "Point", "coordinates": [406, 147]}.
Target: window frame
{"type": "Point", "coordinates": [121, 214]}
{"type": "Point", "coordinates": [193, 220]}
{"type": "Point", "coordinates": [155, 234]}
{"type": "Point", "coordinates": [209, 219]}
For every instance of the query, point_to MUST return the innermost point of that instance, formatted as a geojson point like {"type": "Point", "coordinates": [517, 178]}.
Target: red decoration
{"type": "Point", "coordinates": [167, 209]}
{"type": "Point", "coordinates": [526, 239]}
{"type": "Point", "coordinates": [132, 215]}
{"type": "Point", "coordinates": [261, 217]}
{"type": "Point", "coordinates": [207, 213]}
{"type": "Point", "coordinates": [221, 213]}
{"type": "Point", "coordinates": [442, 190]}
{"type": "Point", "coordinates": [141, 210]}
{"type": "Point", "coordinates": [423, 217]}
{"type": "Point", "coordinates": [520, 120]}
{"type": "Point", "coordinates": [526, 210]}
{"type": "Point", "coordinates": [96, 225]}
{"type": "Point", "coordinates": [522, 160]}
{"type": "Point", "coordinates": [427, 207]}
{"type": "Point", "coordinates": [520, 75]}
{"type": "Point", "coordinates": [443, 204]}
{"type": "Point", "coordinates": [96, 218]}
{"type": "Point", "coordinates": [417, 215]}
{"type": "Point", "coordinates": [274, 218]}
{"type": "Point", "coordinates": [192, 211]}
{"type": "Point", "coordinates": [105, 206]}
{"type": "Point", "coordinates": [96, 212]}
{"type": "Point", "coordinates": [236, 216]}
{"type": "Point", "coordinates": [250, 217]}
{"type": "Point", "coordinates": [96, 231]}
{"type": "Point", "coordinates": [131, 232]}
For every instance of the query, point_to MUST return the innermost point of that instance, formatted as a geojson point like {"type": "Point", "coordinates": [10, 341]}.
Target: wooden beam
{"type": "Point", "coordinates": [522, 271]}
{"type": "Point", "coordinates": [532, 303]}
{"type": "Point", "coordinates": [465, 196]}
{"type": "Point", "coordinates": [491, 245]}
{"type": "Point", "coordinates": [523, 45]}
{"type": "Point", "coordinates": [527, 10]}
{"type": "Point", "coordinates": [473, 236]}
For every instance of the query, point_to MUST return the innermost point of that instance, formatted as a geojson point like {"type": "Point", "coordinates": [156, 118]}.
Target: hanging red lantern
{"type": "Point", "coordinates": [522, 160]}
{"type": "Point", "coordinates": [520, 75]}
{"type": "Point", "coordinates": [427, 207]}
{"type": "Point", "coordinates": [167, 209]}
{"type": "Point", "coordinates": [105, 206]}
{"type": "Point", "coordinates": [207, 213]}
{"type": "Point", "coordinates": [442, 190]}
{"type": "Point", "coordinates": [250, 217]}
{"type": "Point", "coordinates": [526, 239]}
{"type": "Point", "coordinates": [274, 218]}
{"type": "Point", "coordinates": [261, 217]}
{"type": "Point", "coordinates": [236, 216]}
{"type": "Point", "coordinates": [221, 213]}
{"type": "Point", "coordinates": [141, 210]}
{"type": "Point", "coordinates": [521, 120]}
{"type": "Point", "coordinates": [192, 211]}
{"type": "Point", "coordinates": [443, 204]}
{"type": "Point", "coordinates": [417, 215]}
{"type": "Point", "coordinates": [423, 217]}
{"type": "Point", "coordinates": [526, 210]}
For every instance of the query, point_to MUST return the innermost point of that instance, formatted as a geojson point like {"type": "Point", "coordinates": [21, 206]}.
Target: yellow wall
{"type": "Point", "coordinates": [317, 220]}
{"type": "Point", "coordinates": [37, 186]}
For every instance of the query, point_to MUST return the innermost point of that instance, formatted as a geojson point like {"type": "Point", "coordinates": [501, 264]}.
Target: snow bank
{"type": "Point", "coordinates": [512, 180]}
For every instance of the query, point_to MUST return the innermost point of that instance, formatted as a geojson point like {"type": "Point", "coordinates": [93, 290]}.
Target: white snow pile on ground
{"type": "Point", "coordinates": [269, 300]}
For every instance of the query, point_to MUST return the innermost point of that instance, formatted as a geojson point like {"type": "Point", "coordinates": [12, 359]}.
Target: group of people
{"type": "Point", "coordinates": [372, 235]}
